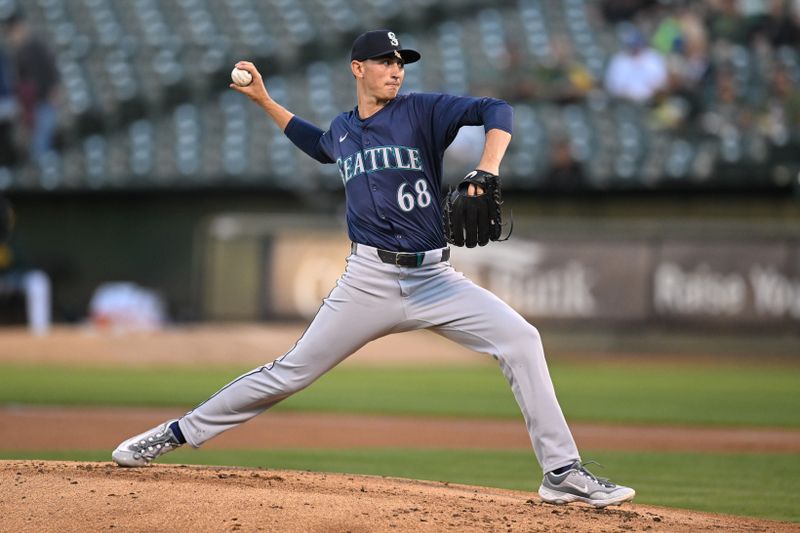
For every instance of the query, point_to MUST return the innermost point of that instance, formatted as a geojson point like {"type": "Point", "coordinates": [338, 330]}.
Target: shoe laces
{"type": "Point", "coordinates": [154, 445]}
{"type": "Point", "coordinates": [581, 468]}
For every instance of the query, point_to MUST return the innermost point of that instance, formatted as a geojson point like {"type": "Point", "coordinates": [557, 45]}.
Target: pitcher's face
{"type": "Point", "coordinates": [382, 76]}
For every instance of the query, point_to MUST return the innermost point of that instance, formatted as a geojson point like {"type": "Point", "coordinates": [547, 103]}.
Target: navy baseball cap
{"type": "Point", "coordinates": [380, 43]}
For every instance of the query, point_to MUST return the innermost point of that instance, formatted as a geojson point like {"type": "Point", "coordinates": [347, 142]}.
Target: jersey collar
{"type": "Point", "coordinates": [367, 120]}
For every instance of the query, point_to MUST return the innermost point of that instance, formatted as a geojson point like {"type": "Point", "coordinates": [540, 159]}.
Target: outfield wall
{"type": "Point", "coordinates": [163, 242]}
{"type": "Point", "coordinates": [255, 270]}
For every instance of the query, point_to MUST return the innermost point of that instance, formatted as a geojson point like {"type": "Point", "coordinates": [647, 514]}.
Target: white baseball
{"type": "Point", "coordinates": [241, 77]}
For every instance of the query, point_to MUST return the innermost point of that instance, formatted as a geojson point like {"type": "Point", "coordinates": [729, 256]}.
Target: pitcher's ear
{"type": "Point", "coordinates": [357, 67]}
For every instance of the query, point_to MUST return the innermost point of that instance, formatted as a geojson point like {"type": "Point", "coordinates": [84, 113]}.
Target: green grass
{"type": "Point", "coordinates": [588, 391]}
{"type": "Point", "coordinates": [742, 484]}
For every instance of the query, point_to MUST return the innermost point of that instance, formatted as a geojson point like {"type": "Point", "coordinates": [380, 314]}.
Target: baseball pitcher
{"type": "Point", "coordinates": [398, 277]}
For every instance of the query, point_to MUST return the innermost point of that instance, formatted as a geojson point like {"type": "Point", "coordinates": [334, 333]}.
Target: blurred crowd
{"type": "Point", "coordinates": [718, 61]}
{"type": "Point", "coordinates": [692, 51]}
{"type": "Point", "coordinates": [728, 70]}
{"type": "Point", "coordinates": [29, 81]}
{"type": "Point", "coordinates": [719, 68]}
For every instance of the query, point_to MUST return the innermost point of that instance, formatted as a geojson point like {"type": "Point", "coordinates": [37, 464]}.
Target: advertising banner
{"type": "Point", "coordinates": [302, 269]}
{"type": "Point", "coordinates": [737, 282]}
{"type": "Point", "coordinates": [584, 281]}
{"type": "Point", "coordinates": [605, 281]}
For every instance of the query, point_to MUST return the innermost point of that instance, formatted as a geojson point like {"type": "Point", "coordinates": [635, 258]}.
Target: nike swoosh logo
{"type": "Point", "coordinates": [343, 137]}
{"type": "Point", "coordinates": [583, 488]}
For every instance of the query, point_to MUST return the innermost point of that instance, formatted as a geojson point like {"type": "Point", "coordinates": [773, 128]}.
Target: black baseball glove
{"type": "Point", "coordinates": [477, 219]}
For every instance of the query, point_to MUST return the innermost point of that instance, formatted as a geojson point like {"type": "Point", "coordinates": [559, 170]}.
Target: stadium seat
{"type": "Point", "coordinates": [146, 98]}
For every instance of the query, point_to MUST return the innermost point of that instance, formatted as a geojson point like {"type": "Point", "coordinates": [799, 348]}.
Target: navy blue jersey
{"type": "Point", "coordinates": [391, 163]}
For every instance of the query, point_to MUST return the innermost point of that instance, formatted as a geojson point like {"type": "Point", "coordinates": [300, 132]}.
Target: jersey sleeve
{"type": "Point", "coordinates": [310, 139]}
{"type": "Point", "coordinates": [448, 113]}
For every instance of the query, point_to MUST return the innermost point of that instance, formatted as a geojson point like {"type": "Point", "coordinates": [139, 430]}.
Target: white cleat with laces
{"type": "Point", "coordinates": [579, 485]}
{"type": "Point", "coordinates": [144, 448]}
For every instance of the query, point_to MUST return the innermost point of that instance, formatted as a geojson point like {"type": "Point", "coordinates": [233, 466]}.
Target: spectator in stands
{"type": "Point", "coordinates": [520, 79]}
{"type": "Point", "coordinates": [637, 72]}
{"type": "Point", "coordinates": [681, 37]}
{"type": "Point", "coordinates": [561, 78]}
{"type": "Point", "coordinates": [726, 115]}
{"type": "Point", "coordinates": [8, 108]}
{"type": "Point", "coordinates": [725, 89]}
{"type": "Point", "coordinates": [565, 173]}
{"type": "Point", "coordinates": [780, 114]}
{"type": "Point", "coordinates": [37, 82]}
{"type": "Point", "coordinates": [33, 284]}
{"type": "Point", "coordinates": [667, 35]}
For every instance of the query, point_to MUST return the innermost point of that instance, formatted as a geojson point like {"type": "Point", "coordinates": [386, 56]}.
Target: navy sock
{"type": "Point", "coordinates": [559, 471]}
{"type": "Point", "coordinates": [176, 430]}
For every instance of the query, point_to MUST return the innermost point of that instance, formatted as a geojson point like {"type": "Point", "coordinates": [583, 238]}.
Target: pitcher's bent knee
{"type": "Point", "coordinates": [526, 335]}
{"type": "Point", "coordinates": [524, 344]}
{"type": "Point", "coordinates": [533, 336]}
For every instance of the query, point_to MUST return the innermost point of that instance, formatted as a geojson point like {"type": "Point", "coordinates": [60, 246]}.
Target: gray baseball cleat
{"type": "Point", "coordinates": [143, 448]}
{"type": "Point", "coordinates": [579, 485]}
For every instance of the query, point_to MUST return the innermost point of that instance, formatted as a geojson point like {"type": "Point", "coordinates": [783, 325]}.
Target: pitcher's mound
{"type": "Point", "coordinates": [63, 496]}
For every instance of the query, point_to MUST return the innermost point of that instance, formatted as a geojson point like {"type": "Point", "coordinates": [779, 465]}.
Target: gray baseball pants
{"type": "Point", "coordinates": [373, 299]}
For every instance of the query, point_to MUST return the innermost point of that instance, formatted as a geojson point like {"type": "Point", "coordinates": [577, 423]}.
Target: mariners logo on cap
{"type": "Point", "coordinates": [381, 43]}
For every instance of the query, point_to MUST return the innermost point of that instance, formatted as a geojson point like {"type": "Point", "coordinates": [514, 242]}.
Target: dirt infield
{"type": "Point", "coordinates": [48, 496]}
{"type": "Point", "coordinates": [52, 496]}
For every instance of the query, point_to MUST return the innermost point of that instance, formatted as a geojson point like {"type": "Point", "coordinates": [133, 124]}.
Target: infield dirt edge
{"type": "Point", "coordinates": [102, 496]}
